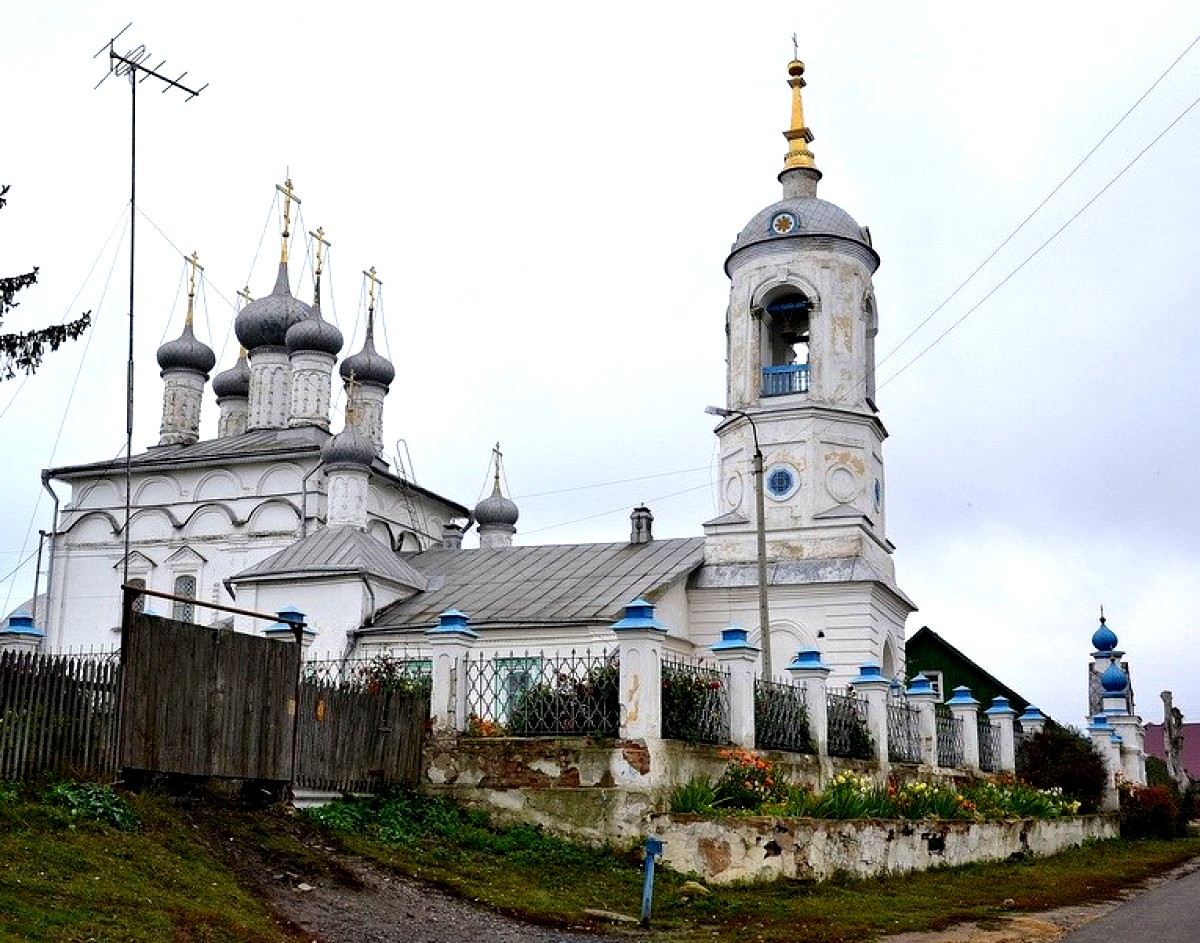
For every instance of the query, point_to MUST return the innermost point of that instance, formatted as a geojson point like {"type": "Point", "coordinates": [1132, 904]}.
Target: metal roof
{"type": "Point", "coordinates": [333, 551]}
{"type": "Point", "coordinates": [566, 583]}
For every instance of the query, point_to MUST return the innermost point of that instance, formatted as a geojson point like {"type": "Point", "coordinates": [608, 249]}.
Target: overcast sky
{"type": "Point", "coordinates": [549, 191]}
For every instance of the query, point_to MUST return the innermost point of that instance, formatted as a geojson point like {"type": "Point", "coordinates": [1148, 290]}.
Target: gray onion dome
{"type": "Point", "coordinates": [265, 321]}
{"type": "Point", "coordinates": [186, 353]}
{"type": "Point", "coordinates": [233, 382]}
{"type": "Point", "coordinates": [348, 446]}
{"type": "Point", "coordinates": [314, 333]}
{"type": "Point", "coordinates": [496, 510]}
{"type": "Point", "coordinates": [368, 365]}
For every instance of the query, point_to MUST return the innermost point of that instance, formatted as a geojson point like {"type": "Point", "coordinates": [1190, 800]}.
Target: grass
{"type": "Point", "coordinates": [523, 871]}
{"type": "Point", "coordinates": [64, 876]}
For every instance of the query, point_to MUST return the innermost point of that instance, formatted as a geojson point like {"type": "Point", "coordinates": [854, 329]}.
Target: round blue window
{"type": "Point", "coordinates": [781, 482]}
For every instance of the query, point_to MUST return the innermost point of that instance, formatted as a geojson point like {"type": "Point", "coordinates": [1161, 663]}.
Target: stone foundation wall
{"type": "Point", "coordinates": [728, 849]}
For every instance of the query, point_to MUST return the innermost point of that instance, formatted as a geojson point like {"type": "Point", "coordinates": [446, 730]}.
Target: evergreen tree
{"type": "Point", "coordinates": [24, 351]}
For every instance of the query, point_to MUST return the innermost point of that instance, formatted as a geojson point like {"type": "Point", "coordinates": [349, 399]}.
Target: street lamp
{"type": "Point", "coordinates": [764, 613]}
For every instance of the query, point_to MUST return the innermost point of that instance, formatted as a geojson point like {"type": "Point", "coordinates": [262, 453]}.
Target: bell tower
{"type": "Point", "coordinates": [800, 331]}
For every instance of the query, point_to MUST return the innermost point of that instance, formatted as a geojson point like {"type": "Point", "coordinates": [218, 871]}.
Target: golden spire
{"type": "Point", "coordinates": [319, 236]}
{"type": "Point", "coordinates": [798, 136]}
{"type": "Point", "coordinates": [193, 261]}
{"type": "Point", "coordinates": [288, 196]}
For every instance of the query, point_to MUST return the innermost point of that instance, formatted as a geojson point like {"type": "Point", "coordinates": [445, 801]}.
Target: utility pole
{"type": "Point", "coordinates": [132, 65]}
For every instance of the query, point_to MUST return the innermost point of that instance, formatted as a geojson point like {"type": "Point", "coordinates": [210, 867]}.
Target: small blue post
{"type": "Point", "coordinates": [654, 847]}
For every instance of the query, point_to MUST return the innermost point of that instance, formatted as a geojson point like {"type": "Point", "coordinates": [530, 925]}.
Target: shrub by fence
{"type": "Point", "coordinates": [781, 718]}
{"type": "Point", "coordinates": [58, 714]}
{"type": "Point", "coordinates": [695, 702]}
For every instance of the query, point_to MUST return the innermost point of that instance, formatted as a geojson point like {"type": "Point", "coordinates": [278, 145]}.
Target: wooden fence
{"type": "Point", "coordinates": [353, 740]}
{"type": "Point", "coordinates": [58, 715]}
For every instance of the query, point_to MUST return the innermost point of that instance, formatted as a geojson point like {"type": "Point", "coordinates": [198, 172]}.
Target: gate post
{"type": "Point", "coordinates": [875, 688]}
{"type": "Point", "coordinates": [1000, 715]}
{"type": "Point", "coordinates": [450, 642]}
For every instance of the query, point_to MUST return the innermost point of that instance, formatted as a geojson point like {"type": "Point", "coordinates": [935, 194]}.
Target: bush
{"type": "Point", "coordinates": [1150, 812]}
{"type": "Point", "coordinates": [696, 796]}
{"type": "Point", "coordinates": [749, 781]}
{"type": "Point", "coordinates": [93, 802]}
{"type": "Point", "coordinates": [1062, 758]}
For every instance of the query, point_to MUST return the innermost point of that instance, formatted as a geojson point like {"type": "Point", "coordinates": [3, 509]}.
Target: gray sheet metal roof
{"type": "Point", "coordinates": [566, 583]}
{"type": "Point", "coordinates": [334, 551]}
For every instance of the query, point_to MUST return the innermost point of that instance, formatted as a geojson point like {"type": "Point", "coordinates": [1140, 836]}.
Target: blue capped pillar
{"type": "Point", "coordinates": [965, 711]}
{"type": "Point", "coordinates": [872, 685]}
{"type": "Point", "coordinates": [450, 644]}
{"type": "Point", "coordinates": [808, 669]}
{"type": "Point", "coordinates": [923, 697]}
{"type": "Point", "coordinates": [739, 661]}
{"type": "Point", "coordinates": [1000, 715]}
{"type": "Point", "coordinates": [640, 638]}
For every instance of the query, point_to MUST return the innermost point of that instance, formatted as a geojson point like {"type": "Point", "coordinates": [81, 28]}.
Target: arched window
{"type": "Point", "coordinates": [185, 585]}
{"type": "Point", "coordinates": [786, 353]}
{"type": "Point", "coordinates": [139, 601]}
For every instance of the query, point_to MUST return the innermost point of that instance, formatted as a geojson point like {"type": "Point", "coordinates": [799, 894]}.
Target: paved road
{"type": "Point", "coordinates": [1169, 913]}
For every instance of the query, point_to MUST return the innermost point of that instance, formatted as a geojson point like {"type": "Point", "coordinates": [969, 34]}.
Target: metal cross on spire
{"type": "Point", "coordinates": [322, 244]}
{"type": "Point", "coordinates": [196, 268]}
{"type": "Point", "coordinates": [288, 196]}
{"type": "Point", "coordinates": [245, 297]}
{"type": "Point", "coordinates": [795, 47]}
{"type": "Point", "coordinates": [374, 280]}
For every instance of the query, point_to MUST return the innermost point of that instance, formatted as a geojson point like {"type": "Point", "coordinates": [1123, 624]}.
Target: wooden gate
{"type": "Point", "coordinates": [204, 701]}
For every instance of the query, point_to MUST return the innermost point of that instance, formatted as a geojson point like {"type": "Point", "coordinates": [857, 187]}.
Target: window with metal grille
{"type": "Point", "coordinates": [139, 602]}
{"type": "Point", "coordinates": [183, 611]}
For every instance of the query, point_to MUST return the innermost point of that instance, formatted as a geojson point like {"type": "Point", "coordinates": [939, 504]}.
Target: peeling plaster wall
{"type": "Point", "coordinates": [765, 849]}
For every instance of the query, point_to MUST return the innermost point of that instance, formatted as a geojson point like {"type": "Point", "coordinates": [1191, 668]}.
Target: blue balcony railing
{"type": "Point", "coordinates": [790, 378]}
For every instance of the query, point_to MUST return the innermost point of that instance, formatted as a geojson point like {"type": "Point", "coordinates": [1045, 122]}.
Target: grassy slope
{"type": "Point", "coordinates": [63, 878]}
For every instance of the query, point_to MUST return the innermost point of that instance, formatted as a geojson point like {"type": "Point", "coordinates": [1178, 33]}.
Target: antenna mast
{"type": "Point", "coordinates": [132, 64]}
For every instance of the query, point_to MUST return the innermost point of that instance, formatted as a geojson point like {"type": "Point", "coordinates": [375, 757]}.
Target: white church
{"type": "Point", "coordinates": [277, 512]}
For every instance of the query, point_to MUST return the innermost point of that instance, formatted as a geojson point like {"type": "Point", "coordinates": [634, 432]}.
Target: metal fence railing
{"type": "Point", "coordinates": [848, 734]}
{"type": "Point", "coordinates": [904, 732]}
{"type": "Point", "coordinates": [989, 747]}
{"type": "Point", "coordinates": [781, 718]}
{"type": "Point", "coordinates": [695, 702]}
{"type": "Point", "coordinates": [536, 694]}
{"type": "Point", "coordinates": [385, 671]}
{"type": "Point", "coordinates": [949, 739]}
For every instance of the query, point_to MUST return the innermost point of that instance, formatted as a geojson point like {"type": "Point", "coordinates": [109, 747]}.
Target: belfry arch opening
{"type": "Point", "coordinates": [786, 347]}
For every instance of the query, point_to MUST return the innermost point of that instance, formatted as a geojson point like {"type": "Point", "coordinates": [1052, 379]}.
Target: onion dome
{"type": "Point", "coordinates": [1104, 639]}
{"type": "Point", "coordinates": [186, 352]}
{"type": "Point", "coordinates": [265, 321]}
{"type": "Point", "coordinates": [235, 381]}
{"type": "Point", "coordinates": [496, 510]}
{"type": "Point", "coordinates": [368, 365]}
{"type": "Point", "coordinates": [348, 446]}
{"type": "Point", "coordinates": [315, 333]}
{"type": "Point", "coordinates": [1114, 681]}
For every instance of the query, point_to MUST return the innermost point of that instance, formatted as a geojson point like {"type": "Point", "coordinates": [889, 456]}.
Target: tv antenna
{"type": "Point", "coordinates": [132, 65]}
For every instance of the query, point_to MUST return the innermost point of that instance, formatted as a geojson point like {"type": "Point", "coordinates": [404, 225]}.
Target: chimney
{"type": "Point", "coordinates": [642, 520]}
{"type": "Point", "coordinates": [452, 535]}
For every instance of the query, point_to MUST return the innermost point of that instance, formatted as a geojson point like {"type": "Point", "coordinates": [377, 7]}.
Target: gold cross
{"type": "Point", "coordinates": [288, 196]}
{"type": "Point", "coordinates": [374, 281]}
{"type": "Point", "coordinates": [193, 260]}
{"type": "Point", "coordinates": [244, 294]}
{"type": "Point", "coordinates": [319, 235]}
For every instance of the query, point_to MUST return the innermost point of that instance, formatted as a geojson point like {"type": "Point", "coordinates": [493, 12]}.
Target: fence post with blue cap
{"type": "Point", "coordinates": [450, 642]}
{"type": "Point", "coordinates": [923, 697]}
{"type": "Point", "coordinates": [1000, 715]}
{"type": "Point", "coordinates": [739, 660]}
{"type": "Point", "coordinates": [808, 669]}
{"type": "Point", "coordinates": [654, 848]}
{"type": "Point", "coordinates": [639, 650]}
{"type": "Point", "coordinates": [966, 711]}
{"type": "Point", "coordinates": [875, 689]}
